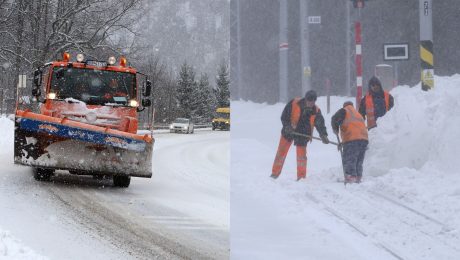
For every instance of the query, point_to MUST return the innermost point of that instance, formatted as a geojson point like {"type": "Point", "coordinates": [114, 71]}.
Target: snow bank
{"type": "Point", "coordinates": [6, 135]}
{"type": "Point", "coordinates": [10, 248]}
{"type": "Point", "coordinates": [415, 150]}
{"type": "Point", "coordinates": [421, 131]}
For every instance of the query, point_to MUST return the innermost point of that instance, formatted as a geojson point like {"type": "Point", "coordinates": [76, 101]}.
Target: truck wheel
{"type": "Point", "coordinates": [41, 174]}
{"type": "Point", "coordinates": [121, 181]}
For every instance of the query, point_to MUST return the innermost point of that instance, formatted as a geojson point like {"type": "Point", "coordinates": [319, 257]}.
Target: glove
{"type": "Point", "coordinates": [324, 139]}
{"type": "Point", "coordinates": [288, 129]}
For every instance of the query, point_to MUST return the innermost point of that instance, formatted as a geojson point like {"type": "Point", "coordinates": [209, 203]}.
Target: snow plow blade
{"type": "Point", "coordinates": [47, 142]}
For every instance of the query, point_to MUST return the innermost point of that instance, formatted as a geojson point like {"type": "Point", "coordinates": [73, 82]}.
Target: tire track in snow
{"type": "Point", "coordinates": [388, 220]}
{"type": "Point", "coordinates": [355, 226]}
{"type": "Point", "coordinates": [125, 232]}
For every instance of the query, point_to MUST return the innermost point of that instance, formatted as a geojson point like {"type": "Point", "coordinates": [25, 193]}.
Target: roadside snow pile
{"type": "Point", "coordinates": [421, 132]}
{"type": "Point", "coordinates": [415, 150]}
{"type": "Point", "coordinates": [10, 248]}
{"type": "Point", "coordinates": [7, 135]}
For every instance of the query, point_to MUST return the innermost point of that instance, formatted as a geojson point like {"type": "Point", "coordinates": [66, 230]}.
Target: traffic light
{"type": "Point", "coordinates": [358, 3]}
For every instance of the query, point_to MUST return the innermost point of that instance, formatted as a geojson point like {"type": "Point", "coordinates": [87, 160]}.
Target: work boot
{"type": "Point", "coordinates": [350, 178]}
{"type": "Point", "coordinates": [274, 176]}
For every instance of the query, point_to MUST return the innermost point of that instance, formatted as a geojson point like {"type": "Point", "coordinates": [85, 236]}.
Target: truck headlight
{"type": "Point", "coordinates": [51, 95]}
{"type": "Point", "coordinates": [80, 57]}
{"type": "Point", "coordinates": [133, 103]}
{"type": "Point", "coordinates": [111, 60]}
{"type": "Point", "coordinates": [171, 127]}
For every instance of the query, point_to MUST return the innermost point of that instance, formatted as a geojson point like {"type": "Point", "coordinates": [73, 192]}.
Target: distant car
{"type": "Point", "coordinates": [182, 125]}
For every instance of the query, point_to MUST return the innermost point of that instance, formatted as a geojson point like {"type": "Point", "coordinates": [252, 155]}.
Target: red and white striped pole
{"type": "Point", "coordinates": [359, 64]}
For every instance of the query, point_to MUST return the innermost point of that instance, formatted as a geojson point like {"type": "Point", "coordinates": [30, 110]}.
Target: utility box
{"type": "Point", "coordinates": [385, 74]}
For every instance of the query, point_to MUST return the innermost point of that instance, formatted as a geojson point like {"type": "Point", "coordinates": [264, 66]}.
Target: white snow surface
{"type": "Point", "coordinates": [407, 206]}
{"type": "Point", "coordinates": [189, 192]}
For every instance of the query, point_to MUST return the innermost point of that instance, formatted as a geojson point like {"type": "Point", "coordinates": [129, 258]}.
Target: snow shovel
{"type": "Point", "coordinates": [313, 137]}
{"type": "Point", "coordinates": [341, 156]}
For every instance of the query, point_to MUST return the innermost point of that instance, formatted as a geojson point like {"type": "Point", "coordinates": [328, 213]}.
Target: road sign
{"type": "Point", "coordinates": [396, 51]}
{"type": "Point", "coordinates": [22, 81]}
{"type": "Point", "coordinates": [314, 19]}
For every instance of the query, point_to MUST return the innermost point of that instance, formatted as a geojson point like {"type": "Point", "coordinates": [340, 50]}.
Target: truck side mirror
{"type": "Point", "coordinates": [147, 88]}
{"type": "Point", "coordinates": [37, 78]}
{"type": "Point", "coordinates": [146, 102]}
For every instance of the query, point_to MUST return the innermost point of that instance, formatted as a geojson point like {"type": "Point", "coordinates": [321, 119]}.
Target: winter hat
{"type": "Point", "coordinates": [311, 95]}
{"type": "Point", "coordinates": [346, 103]}
{"type": "Point", "coordinates": [375, 81]}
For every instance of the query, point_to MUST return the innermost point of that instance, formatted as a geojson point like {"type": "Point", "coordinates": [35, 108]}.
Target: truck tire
{"type": "Point", "coordinates": [41, 174]}
{"type": "Point", "coordinates": [121, 181]}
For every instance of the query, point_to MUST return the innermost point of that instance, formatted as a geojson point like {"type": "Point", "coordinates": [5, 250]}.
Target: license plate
{"type": "Point", "coordinates": [96, 63]}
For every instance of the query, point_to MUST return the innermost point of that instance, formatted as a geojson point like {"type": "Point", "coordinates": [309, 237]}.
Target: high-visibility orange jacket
{"type": "Point", "coordinates": [353, 127]}
{"type": "Point", "coordinates": [375, 105]}
{"type": "Point", "coordinates": [302, 119]}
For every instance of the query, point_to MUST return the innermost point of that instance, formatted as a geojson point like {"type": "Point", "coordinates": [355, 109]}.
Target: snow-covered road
{"type": "Point", "coordinates": [182, 212]}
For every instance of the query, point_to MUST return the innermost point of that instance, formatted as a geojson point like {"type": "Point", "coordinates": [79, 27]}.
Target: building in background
{"type": "Point", "coordinates": [389, 21]}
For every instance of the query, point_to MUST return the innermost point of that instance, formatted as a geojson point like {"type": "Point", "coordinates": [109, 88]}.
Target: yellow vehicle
{"type": "Point", "coordinates": [222, 119]}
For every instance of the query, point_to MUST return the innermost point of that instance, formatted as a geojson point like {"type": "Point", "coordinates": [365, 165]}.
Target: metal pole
{"type": "Point", "coordinates": [235, 50]}
{"type": "Point", "coordinates": [1, 102]}
{"type": "Point", "coordinates": [348, 52]}
{"type": "Point", "coordinates": [305, 47]}
{"type": "Point", "coordinates": [359, 64]}
{"type": "Point", "coordinates": [426, 44]}
{"type": "Point", "coordinates": [328, 93]}
{"type": "Point", "coordinates": [283, 49]}
{"type": "Point", "coordinates": [396, 79]}
{"type": "Point", "coordinates": [238, 28]}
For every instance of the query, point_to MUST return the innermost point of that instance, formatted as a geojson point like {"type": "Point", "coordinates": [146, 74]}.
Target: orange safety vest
{"type": "Point", "coordinates": [295, 115]}
{"type": "Point", "coordinates": [353, 127]}
{"type": "Point", "coordinates": [370, 110]}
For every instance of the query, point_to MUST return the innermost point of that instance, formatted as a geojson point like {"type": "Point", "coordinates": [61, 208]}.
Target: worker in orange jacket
{"type": "Point", "coordinates": [376, 102]}
{"type": "Point", "coordinates": [354, 143]}
{"type": "Point", "coordinates": [300, 116]}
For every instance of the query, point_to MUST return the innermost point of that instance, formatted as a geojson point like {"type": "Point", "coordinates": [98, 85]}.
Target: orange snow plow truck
{"type": "Point", "coordinates": [84, 119]}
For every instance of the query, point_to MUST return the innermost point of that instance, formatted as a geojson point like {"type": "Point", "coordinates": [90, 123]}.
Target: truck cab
{"type": "Point", "coordinates": [222, 119]}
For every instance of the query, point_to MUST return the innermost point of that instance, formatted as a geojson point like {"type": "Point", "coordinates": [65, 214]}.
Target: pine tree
{"type": "Point", "coordinates": [223, 84]}
{"type": "Point", "coordinates": [206, 99]}
{"type": "Point", "coordinates": [186, 91]}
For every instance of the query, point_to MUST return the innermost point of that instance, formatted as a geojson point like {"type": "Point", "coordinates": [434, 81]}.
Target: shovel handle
{"type": "Point", "coordinates": [313, 137]}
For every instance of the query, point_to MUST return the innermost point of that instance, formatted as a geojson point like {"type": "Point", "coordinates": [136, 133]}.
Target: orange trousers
{"type": "Point", "coordinates": [283, 149]}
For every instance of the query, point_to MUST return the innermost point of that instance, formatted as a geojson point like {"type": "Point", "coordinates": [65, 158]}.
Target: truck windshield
{"type": "Point", "coordinates": [223, 115]}
{"type": "Point", "coordinates": [94, 87]}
